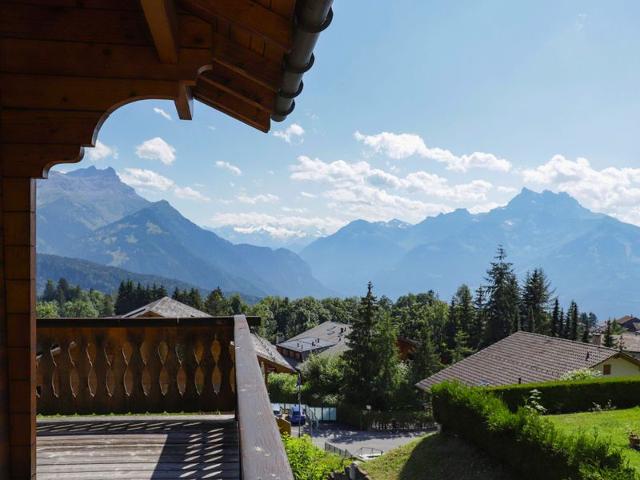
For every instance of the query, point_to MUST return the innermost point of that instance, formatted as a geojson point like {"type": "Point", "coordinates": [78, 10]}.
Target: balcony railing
{"type": "Point", "coordinates": [157, 365]}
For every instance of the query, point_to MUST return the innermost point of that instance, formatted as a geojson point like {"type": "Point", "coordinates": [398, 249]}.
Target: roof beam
{"type": "Point", "coordinates": [251, 92]}
{"type": "Point", "coordinates": [246, 62]}
{"type": "Point", "coordinates": [161, 19]}
{"type": "Point", "coordinates": [233, 106]}
{"type": "Point", "coordinates": [184, 102]}
{"type": "Point", "coordinates": [247, 14]}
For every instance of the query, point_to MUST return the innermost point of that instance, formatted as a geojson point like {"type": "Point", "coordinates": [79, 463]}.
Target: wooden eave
{"type": "Point", "coordinates": [65, 65]}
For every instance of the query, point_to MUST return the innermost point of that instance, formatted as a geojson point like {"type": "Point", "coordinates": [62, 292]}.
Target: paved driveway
{"type": "Point", "coordinates": [343, 437]}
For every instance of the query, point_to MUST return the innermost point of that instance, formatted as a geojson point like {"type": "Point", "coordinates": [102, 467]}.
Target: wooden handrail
{"type": "Point", "coordinates": [261, 449]}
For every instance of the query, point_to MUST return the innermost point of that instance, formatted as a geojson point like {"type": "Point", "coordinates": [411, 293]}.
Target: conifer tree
{"type": "Point", "coordinates": [503, 302]}
{"type": "Point", "coordinates": [608, 335]}
{"type": "Point", "coordinates": [361, 364]}
{"type": "Point", "coordinates": [465, 312]}
{"type": "Point", "coordinates": [215, 304]}
{"type": "Point", "coordinates": [586, 327]}
{"type": "Point", "coordinates": [426, 360]}
{"type": "Point", "coordinates": [563, 325]}
{"type": "Point", "coordinates": [477, 328]}
{"type": "Point", "coordinates": [49, 294]}
{"type": "Point", "coordinates": [572, 321]}
{"type": "Point", "coordinates": [556, 326]}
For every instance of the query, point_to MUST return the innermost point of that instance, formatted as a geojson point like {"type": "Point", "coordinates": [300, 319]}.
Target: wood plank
{"type": "Point", "coordinates": [184, 102]}
{"type": "Point", "coordinates": [53, 57]}
{"type": "Point", "coordinates": [233, 107]}
{"type": "Point", "coordinates": [75, 93]}
{"type": "Point", "coordinates": [244, 88]}
{"type": "Point", "coordinates": [162, 23]}
{"type": "Point", "coordinates": [76, 24]}
{"type": "Point", "coordinates": [249, 15]}
{"type": "Point", "coordinates": [261, 449]}
{"type": "Point", "coordinates": [246, 62]}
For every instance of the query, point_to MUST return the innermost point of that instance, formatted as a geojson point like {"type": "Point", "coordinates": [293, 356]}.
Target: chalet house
{"type": "Point", "coordinates": [627, 342]}
{"type": "Point", "coordinates": [629, 323]}
{"type": "Point", "coordinates": [329, 339]}
{"type": "Point", "coordinates": [529, 357]}
{"type": "Point", "coordinates": [269, 358]}
{"type": "Point", "coordinates": [66, 66]}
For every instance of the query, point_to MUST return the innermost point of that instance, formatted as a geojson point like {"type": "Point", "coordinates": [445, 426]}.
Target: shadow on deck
{"type": "Point", "coordinates": [138, 448]}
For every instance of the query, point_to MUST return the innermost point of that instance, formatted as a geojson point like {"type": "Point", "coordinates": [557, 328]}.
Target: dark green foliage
{"type": "Point", "coordinates": [524, 440]}
{"type": "Point", "coordinates": [323, 376]}
{"type": "Point", "coordinates": [65, 300]}
{"type": "Point", "coordinates": [575, 396]}
{"type": "Point", "coordinates": [215, 304]}
{"type": "Point", "coordinates": [503, 299]}
{"type": "Point", "coordinates": [426, 360]}
{"type": "Point", "coordinates": [572, 322]}
{"type": "Point", "coordinates": [608, 336]}
{"type": "Point", "coordinates": [534, 306]}
{"type": "Point", "coordinates": [282, 387]}
{"type": "Point", "coordinates": [364, 419]}
{"type": "Point", "coordinates": [309, 462]}
{"type": "Point", "coordinates": [556, 324]}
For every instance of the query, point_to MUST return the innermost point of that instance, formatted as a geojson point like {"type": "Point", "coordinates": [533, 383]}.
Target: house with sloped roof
{"type": "Point", "coordinates": [630, 323]}
{"type": "Point", "coordinates": [269, 358]}
{"type": "Point", "coordinates": [525, 357]}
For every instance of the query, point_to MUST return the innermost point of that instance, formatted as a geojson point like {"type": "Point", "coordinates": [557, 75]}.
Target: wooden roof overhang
{"type": "Point", "coordinates": [65, 65]}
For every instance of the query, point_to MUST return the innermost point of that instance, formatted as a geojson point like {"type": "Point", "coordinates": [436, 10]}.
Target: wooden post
{"type": "Point", "coordinates": [17, 327]}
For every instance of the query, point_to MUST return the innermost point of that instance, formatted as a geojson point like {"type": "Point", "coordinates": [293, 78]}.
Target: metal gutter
{"type": "Point", "coordinates": [311, 18]}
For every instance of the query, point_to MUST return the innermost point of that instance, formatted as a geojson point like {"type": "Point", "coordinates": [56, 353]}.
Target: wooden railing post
{"type": "Point", "coordinates": [262, 454]}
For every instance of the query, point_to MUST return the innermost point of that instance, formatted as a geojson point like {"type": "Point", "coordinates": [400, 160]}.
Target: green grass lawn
{"type": "Point", "coordinates": [612, 424]}
{"type": "Point", "coordinates": [435, 457]}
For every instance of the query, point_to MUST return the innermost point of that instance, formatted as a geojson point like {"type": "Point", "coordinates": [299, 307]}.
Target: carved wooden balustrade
{"type": "Point", "coordinates": [135, 365]}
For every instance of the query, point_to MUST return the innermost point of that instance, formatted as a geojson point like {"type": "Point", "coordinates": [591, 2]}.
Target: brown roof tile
{"type": "Point", "coordinates": [522, 358]}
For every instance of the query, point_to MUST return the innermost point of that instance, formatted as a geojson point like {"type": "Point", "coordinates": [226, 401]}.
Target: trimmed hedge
{"type": "Point", "coordinates": [525, 441]}
{"type": "Point", "coordinates": [574, 396]}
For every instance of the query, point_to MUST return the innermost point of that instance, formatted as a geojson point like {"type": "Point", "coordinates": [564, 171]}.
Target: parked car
{"type": "Point", "coordinates": [296, 417]}
{"type": "Point", "coordinates": [277, 409]}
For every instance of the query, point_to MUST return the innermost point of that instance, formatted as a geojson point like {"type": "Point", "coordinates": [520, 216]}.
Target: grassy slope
{"type": "Point", "coordinates": [613, 424]}
{"type": "Point", "coordinates": [435, 457]}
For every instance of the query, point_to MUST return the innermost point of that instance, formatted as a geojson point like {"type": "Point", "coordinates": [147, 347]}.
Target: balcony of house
{"type": "Point", "coordinates": [153, 398]}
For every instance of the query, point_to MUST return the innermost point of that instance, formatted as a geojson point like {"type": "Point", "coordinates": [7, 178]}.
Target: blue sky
{"type": "Point", "coordinates": [412, 108]}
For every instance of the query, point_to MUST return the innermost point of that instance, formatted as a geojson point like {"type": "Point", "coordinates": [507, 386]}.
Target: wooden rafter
{"type": "Point", "coordinates": [161, 19]}
{"type": "Point", "coordinates": [240, 86]}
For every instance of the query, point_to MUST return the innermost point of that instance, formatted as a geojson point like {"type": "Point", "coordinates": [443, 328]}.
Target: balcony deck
{"type": "Point", "coordinates": [138, 448]}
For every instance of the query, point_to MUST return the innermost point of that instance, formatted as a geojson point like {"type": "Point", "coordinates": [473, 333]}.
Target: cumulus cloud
{"type": "Point", "coordinates": [156, 149]}
{"type": "Point", "coordinates": [262, 198]}
{"type": "Point", "coordinates": [308, 195]}
{"type": "Point", "coordinates": [145, 179]}
{"type": "Point", "coordinates": [347, 175]}
{"type": "Point", "coordinates": [229, 167]}
{"type": "Point", "coordinates": [291, 133]}
{"type": "Point", "coordinates": [100, 152]}
{"type": "Point", "coordinates": [162, 113]}
{"type": "Point", "coordinates": [189, 193]}
{"type": "Point", "coordinates": [150, 181]}
{"type": "Point", "coordinates": [611, 190]}
{"type": "Point", "coordinates": [403, 145]}
{"type": "Point", "coordinates": [305, 225]}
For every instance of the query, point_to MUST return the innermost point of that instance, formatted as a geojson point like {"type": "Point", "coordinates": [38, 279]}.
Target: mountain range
{"type": "Point", "coordinates": [589, 257]}
{"type": "Point", "coordinates": [92, 215]}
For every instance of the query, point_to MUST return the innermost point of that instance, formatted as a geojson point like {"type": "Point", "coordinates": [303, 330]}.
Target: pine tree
{"type": "Point", "coordinates": [477, 328]}
{"type": "Point", "coordinates": [556, 326]}
{"type": "Point", "coordinates": [464, 308]}
{"type": "Point", "coordinates": [503, 301]}
{"type": "Point", "coordinates": [586, 327]}
{"type": "Point", "coordinates": [215, 304]}
{"type": "Point", "coordinates": [426, 360]}
{"type": "Point", "coordinates": [608, 336]}
{"type": "Point", "coordinates": [563, 325]}
{"type": "Point", "coordinates": [388, 378]}
{"type": "Point", "coordinates": [49, 294]}
{"type": "Point", "coordinates": [361, 364]}
{"type": "Point", "coordinates": [572, 321]}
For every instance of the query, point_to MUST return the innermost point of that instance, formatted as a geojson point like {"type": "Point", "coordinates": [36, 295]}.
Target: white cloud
{"type": "Point", "coordinates": [403, 145]}
{"type": "Point", "coordinates": [275, 232]}
{"type": "Point", "coordinates": [101, 151]}
{"type": "Point", "coordinates": [308, 195]}
{"type": "Point", "coordinates": [189, 193]}
{"type": "Point", "coordinates": [156, 149]}
{"type": "Point", "coordinates": [289, 134]}
{"type": "Point", "coordinates": [262, 198]}
{"type": "Point", "coordinates": [347, 175]}
{"type": "Point", "coordinates": [614, 191]}
{"type": "Point", "coordinates": [309, 225]}
{"type": "Point", "coordinates": [145, 179]}
{"type": "Point", "coordinates": [229, 167]}
{"type": "Point", "coordinates": [505, 189]}
{"type": "Point", "coordinates": [212, 128]}
{"type": "Point", "coordinates": [162, 113]}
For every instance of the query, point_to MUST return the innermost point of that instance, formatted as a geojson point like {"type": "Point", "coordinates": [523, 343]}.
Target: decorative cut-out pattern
{"type": "Point", "coordinates": [135, 369]}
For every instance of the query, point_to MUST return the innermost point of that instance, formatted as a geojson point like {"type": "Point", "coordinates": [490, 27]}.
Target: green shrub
{"type": "Point", "coordinates": [308, 462]}
{"type": "Point", "coordinates": [524, 440]}
{"type": "Point", "coordinates": [574, 396]}
{"type": "Point", "coordinates": [282, 388]}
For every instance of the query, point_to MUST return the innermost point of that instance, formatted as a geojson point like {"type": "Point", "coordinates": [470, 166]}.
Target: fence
{"type": "Point", "coordinates": [321, 414]}
{"type": "Point", "coordinates": [343, 452]}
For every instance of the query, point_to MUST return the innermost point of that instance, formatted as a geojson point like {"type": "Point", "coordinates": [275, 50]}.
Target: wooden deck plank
{"type": "Point", "coordinates": [138, 449]}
